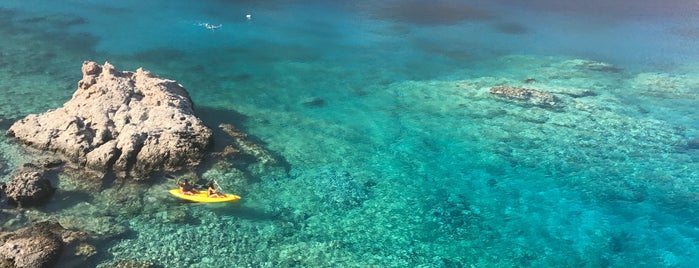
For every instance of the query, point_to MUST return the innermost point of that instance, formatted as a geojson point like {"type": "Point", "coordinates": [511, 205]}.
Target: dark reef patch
{"type": "Point", "coordinates": [432, 13]}
{"type": "Point", "coordinates": [40, 46]}
{"type": "Point", "coordinates": [458, 52]}
{"type": "Point", "coordinates": [688, 33]}
{"type": "Point", "coordinates": [613, 9]}
{"type": "Point", "coordinates": [314, 102]}
{"type": "Point", "coordinates": [54, 20]}
{"type": "Point", "coordinates": [692, 144]}
{"type": "Point", "coordinates": [510, 28]}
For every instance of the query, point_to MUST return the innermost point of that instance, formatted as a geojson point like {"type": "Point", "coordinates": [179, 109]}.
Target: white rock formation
{"type": "Point", "coordinates": [132, 123]}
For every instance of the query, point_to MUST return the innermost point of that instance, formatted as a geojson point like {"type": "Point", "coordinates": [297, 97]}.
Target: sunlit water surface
{"type": "Point", "coordinates": [395, 153]}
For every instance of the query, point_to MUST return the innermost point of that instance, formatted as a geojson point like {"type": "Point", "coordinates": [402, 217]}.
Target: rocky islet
{"type": "Point", "coordinates": [128, 123]}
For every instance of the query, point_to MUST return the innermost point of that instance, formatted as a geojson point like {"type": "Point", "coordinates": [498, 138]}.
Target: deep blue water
{"type": "Point", "coordinates": [397, 154]}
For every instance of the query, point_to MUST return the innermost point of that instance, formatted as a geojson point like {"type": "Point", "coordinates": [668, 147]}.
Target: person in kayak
{"type": "Point", "coordinates": [187, 188]}
{"type": "Point", "coordinates": [211, 191]}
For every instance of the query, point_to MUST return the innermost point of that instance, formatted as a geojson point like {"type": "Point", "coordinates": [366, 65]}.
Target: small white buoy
{"type": "Point", "coordinates": [248, 17]}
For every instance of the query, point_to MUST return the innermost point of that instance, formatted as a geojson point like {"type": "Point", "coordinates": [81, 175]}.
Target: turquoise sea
{"type": "Point", "coordinates": [393, 152]}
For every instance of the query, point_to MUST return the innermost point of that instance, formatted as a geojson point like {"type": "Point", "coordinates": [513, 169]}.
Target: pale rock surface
{"type": "Point", "coordinates": [132, 123]}
{"type": "Point", "coordinates": [524, 95]}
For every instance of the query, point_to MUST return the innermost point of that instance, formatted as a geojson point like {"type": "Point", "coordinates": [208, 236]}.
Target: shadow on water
{"type": "Point", "coordinates": [237, 210]}
{"type": "Point", "coordinates": [6, 123]}
{"type": "Point", "coordinates": [231, 209]}
{"type": "Point", "coordinates": [213, 118]}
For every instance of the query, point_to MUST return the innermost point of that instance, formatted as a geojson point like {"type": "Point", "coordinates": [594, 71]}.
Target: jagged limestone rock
{"type": "Point", "coordinates": [132, 123]}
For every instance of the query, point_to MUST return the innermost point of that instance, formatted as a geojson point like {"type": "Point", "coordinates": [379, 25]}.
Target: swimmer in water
{"type": "Point", "coordinates": [212, 27]}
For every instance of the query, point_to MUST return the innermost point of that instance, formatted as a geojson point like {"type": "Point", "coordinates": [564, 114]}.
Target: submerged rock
{"type": "Point", "coordinates": [598, 66]}
{"type": "Point", "coordinates": [314, 102]}
{"type": "Point", "coordinates": [30, 186]}
{"type": "Point", "coordinates": [692, 144]}
{"type": "Point", "coordinates": [40, 245]}
{"type": "Point", "coordinates": [130, 263]}
{"type": "Point", "coordinates": [132, 123]}
{"type": "Point", "coordinates": [100, 227]}
{"type": "Point", "coordinates": [240, 140]}
{"type": "Point", "coordinates": [530, 96]}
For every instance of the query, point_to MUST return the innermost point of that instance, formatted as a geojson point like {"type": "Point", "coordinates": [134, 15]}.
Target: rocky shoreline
{"type": "Point", "coordinates": [119, 125]}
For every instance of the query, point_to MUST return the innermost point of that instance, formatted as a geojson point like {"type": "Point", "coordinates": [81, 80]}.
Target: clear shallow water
{"type": "Point", "coordinates": [409, 161]}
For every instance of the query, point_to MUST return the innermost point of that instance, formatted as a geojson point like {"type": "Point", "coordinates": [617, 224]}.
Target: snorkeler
{"type": "Point", "coordinates": [212, 27]}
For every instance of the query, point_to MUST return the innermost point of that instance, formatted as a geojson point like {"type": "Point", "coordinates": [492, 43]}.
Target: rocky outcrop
{"type": "Point", "coordinates": [132, 123]}
{"type": "Point", "coordinates": [528, 96]}
{"type": "Point", "coordinates": [29, 186]}
{"type": "Point", "coordinates": [40, 245]}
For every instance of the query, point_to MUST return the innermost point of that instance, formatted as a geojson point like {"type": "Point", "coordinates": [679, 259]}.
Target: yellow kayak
{"type": "Point", "coordinates": [202, 197]}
